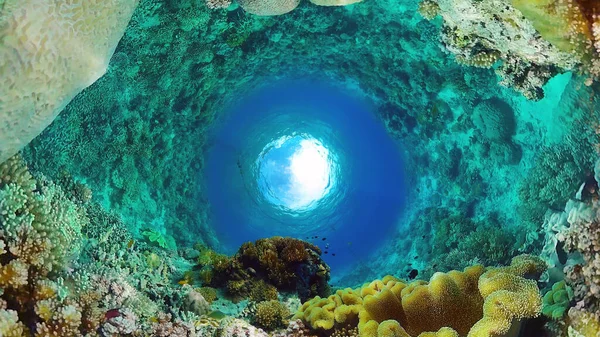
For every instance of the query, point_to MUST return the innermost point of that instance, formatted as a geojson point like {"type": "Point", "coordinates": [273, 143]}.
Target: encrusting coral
{"type": "Point", "coordinates": [570, 25]}
{"type": "Point", "coordinates": [48, 54]}
{"type": "Point", "coordinates": [476, 302]}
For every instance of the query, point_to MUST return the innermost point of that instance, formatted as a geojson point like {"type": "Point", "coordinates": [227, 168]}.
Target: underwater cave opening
{"type": "Point", "coordinates": [305, 159]}
{"type": "Point", "coordinates": [295, 172]}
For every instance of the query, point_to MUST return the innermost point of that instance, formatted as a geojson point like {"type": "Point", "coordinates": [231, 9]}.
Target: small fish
{"type": "Point", "coordinates": [184, 282]}
{"type": "Point", "coordinates": [130, 243]}
{"type": "Point", "coordinates": [325, 252]}
{"type": "Point", "coordinates": [332, 254]}
{"type": "Point", "coordinates": [324, 239]}
{"type": "Point", "coordinates": [412, 274]}
{"type": "Point", "coordinates": [216, 314]}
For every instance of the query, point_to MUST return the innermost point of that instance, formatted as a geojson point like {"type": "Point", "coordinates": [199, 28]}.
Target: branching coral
{"type": "Point", "coordinates": [41, 229]}
{"type": "Point", "coordinates": [41, 226]}
{"type": "Point", "coordinates": [55, 283]}
{"type": "Point", "coordinates": [457, 242]}
{"type": "Point", "coordinates": [474, 302]}
{"type": "Point", "coordinates": [271, 315]}
{"type": "Point", "coordinates": [557, 172]}
{"type": "Point", "coordinates": [582, 234]}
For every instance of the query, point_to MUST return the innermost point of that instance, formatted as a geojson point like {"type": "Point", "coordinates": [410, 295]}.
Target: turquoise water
{"type": "Point", "coordinates": [201, 168]}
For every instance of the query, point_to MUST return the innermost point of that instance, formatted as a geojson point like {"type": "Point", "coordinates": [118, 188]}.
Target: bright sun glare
{"type": "Point", "coordinates": [309, 168]}
{"type": "Point", "coordinates": [297, 171]}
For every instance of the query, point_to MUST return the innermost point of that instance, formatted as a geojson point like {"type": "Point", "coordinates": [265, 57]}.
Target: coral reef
{"type": "Point", "coordinates": [507, 36]}
{"type": "Point", "coordinates": [570, 25]}
{"type": "Point", "coordinates": [475, 302]}
{"type": "Point", "coordinates": [45, 62]}
{"type": "Point", "coordinates": [69, 268]}
{"type": "Point", "coordinates": [259, 269]}
{"type": "Point", "coordinates": [271, 315]}
{"type": "Point", "coordinates": [556, 300]}
{"type": "Point", "coordinates": [269, 7]}
{"type": "Point", "coordinates": [581, 234]}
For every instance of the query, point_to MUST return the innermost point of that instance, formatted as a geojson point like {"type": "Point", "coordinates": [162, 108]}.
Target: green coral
{"type": "Point", "coordinates": [458, 241]}
{"type": "Point", "coordinates": [557, 300]}
{"type": "Point", "coordinates": [155, 237]}
{"type": "Point", "coordinates": [557, 173]}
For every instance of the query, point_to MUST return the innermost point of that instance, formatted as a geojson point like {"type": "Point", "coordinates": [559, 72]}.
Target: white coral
{"type": "Point", "coordinates": [50, 50]}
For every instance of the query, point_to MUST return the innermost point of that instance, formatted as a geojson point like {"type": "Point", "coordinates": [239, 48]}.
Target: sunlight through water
{"type": "Point", "coordinates": [295, 172]}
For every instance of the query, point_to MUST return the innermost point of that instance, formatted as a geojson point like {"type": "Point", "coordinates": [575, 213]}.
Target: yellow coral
{"type": "Point", "coordinates": [473, 303]}
{"type": "Point", "coordinates": [10, 325]}
{"type": "Point", "coordinates": [563, 23]}
{"type": "Point", "coordinates": [271, 315]}
{"type": "Point", "coordinates": [583, 324]}
{"type": "Point", "coordinates": [341, 308]}
{"type": "Point", "coordinates": [13, 275]}
{"type": "Point", "coordinates": [443, 332]}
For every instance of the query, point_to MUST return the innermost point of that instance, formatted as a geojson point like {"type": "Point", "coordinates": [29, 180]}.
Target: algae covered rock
{"type": "Point", "coordinates": [260, 269]}
{"type": "Point", "coordinates": [495, 119]}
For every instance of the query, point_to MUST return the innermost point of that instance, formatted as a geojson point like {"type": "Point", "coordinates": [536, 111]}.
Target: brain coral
{"type": "Point", "coordinates": [495, 119]}
{"type": "Point", "coordinates": [49, 52]}
{"type": "Point", "coordinates": [475, 303]}
{"type": "Point", "coordinates": [268, 7]}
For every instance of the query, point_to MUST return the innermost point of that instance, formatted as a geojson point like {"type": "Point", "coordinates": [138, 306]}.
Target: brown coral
{"type": "Point", "coordinates": [286, 264]}
{"type": "Point", "coordinates": [429, 9]}
{"type": "Point", "coordinates": [271, 315]}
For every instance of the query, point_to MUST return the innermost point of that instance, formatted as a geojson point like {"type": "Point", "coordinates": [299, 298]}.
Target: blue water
{"type": "Point", "coordinates": [367, 190]}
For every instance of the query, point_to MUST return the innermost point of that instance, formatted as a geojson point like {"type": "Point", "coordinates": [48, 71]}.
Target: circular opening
{"type": "Point", "coordinates": [294, 172]}
{"type": "Point", "coordinates": [307, 160]}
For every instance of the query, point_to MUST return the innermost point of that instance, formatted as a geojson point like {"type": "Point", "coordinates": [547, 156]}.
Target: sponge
{"type": "Point", "coordinates": [50, 50]}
